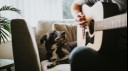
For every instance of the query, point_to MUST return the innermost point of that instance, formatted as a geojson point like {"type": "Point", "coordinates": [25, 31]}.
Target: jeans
{"type": "Point", "coordinates": [87, 59]}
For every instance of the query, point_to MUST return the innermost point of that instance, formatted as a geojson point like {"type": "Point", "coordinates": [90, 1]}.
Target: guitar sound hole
{"type": "Point", "coordinates": [91, 27]}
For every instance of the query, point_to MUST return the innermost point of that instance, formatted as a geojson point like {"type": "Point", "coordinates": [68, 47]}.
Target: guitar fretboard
{"type": "Point", "coordinates": [114, 22]}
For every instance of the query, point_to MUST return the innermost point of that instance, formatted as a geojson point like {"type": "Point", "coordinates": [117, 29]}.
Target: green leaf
{"type": "Point", "coordinates": [4, 36]}
{"type": "Point", "coordinates": [2, 31]}
{"type": "Point", "coordinates": [5, 28]}
{"type": "Point", "coordinates": [6, 25]}
{"type": "Point", "coordinates": [10, 8]}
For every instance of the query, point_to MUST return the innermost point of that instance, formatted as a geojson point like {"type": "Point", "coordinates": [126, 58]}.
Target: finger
{"type": "Point", "coordinates": [81, 14]}
{"type": "Point", "coordinates": [82, 25]}
{"type": "Point", "coordinates": [78, 19]}
{"type": "Point", "coordinates": [82, 22]}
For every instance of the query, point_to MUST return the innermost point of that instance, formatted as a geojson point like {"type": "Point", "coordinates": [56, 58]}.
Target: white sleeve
{"type": "Point", "coordinates": [81, 2]}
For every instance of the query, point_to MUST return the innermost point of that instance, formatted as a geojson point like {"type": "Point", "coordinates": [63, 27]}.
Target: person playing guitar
{"type": "Point", "coordinates": [112, 56]}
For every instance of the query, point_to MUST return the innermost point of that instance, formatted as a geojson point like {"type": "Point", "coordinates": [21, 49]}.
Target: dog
{"type": "Point", "coordinates": [57, 47]}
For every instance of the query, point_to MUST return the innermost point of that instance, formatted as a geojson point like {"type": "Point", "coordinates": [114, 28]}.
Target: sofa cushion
{"type": "Point", "coordinates": [69, 28]}
{"type": "Point", "coordinates": [26, 56]}
{"type": "Point", "coordinates": [61, 67]}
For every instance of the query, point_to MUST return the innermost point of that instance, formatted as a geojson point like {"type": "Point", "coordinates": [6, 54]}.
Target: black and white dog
{"type": "Point", "coordinates": [58, 49]}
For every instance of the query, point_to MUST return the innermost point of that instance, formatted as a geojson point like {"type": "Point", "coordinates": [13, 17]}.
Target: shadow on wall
{"type": "Point", "coordinates": [6, 50]}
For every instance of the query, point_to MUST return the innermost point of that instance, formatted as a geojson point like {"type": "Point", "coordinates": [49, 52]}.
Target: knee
{"type": "Point", "coordinates": [82, 53]}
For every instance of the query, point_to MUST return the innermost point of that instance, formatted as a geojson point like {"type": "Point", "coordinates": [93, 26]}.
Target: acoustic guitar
{"type": "Point", "coordinates": [104, 18]}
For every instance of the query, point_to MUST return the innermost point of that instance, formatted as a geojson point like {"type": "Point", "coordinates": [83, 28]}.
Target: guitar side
{"type": "Point", "coordinates": [97, 12]}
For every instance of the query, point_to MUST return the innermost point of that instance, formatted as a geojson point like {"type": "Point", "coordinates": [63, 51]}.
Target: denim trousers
{"type": "Point", "coordinates": [87, 59]}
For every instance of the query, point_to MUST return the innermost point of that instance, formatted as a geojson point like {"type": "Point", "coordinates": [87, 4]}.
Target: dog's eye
{"type": "Point", "coordinates": [55, 35]}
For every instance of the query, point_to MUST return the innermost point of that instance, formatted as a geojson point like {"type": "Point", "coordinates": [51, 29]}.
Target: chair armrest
{"type": "Point", "coordinates": [25, 51]}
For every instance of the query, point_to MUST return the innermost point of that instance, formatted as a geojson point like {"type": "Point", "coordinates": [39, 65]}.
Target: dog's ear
{"type": "Point", "coordinates": [44, 38]}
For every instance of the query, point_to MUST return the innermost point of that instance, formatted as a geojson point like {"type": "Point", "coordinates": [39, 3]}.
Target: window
{"type": "Point", "coordinates": [67, 9]}
{"type": "Point", "coordinates": [35, 10]}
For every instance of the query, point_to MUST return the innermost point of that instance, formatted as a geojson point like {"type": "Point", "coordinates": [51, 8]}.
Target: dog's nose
{"type": "Point", "coordinates": [63, 32]}
{"type": "Point", "coordinates": [56, 39]}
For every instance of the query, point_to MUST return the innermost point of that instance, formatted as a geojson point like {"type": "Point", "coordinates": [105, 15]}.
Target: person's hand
{"type": "Point", "coordinates": [80, 18]}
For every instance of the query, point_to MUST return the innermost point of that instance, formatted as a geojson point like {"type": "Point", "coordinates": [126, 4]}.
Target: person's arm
{"type": "Point", "coordinates": [76, 8]}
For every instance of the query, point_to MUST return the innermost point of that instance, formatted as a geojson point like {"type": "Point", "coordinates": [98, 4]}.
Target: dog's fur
{"type": "Point", "coordinates": [58, 49]}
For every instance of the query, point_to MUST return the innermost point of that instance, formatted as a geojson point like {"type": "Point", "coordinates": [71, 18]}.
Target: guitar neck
{"type": "Point", "coordinates": [118, 21]}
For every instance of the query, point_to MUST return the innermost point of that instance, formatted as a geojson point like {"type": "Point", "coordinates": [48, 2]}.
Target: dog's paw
{"type": "Point", "coordinates": [63, 62]}
{"type": "Point", "coordinates": [50, 66]}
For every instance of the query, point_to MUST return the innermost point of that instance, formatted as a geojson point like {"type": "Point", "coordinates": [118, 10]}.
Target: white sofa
{"type": "Point", "coordinates": [29, 54]}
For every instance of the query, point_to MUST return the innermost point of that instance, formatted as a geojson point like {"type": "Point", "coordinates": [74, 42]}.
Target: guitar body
{"type": "Point", "coordinates": [97, 12]}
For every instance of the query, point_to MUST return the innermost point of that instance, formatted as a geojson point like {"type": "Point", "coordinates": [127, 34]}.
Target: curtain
{"type": "Point", "coordinates": [34, 10]}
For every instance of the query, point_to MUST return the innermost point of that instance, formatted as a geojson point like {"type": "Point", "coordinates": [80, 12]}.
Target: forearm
{"type": "Point", "coordinates": [75, 9]}
{"type": "Point", "coordinates": [77, 6]}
